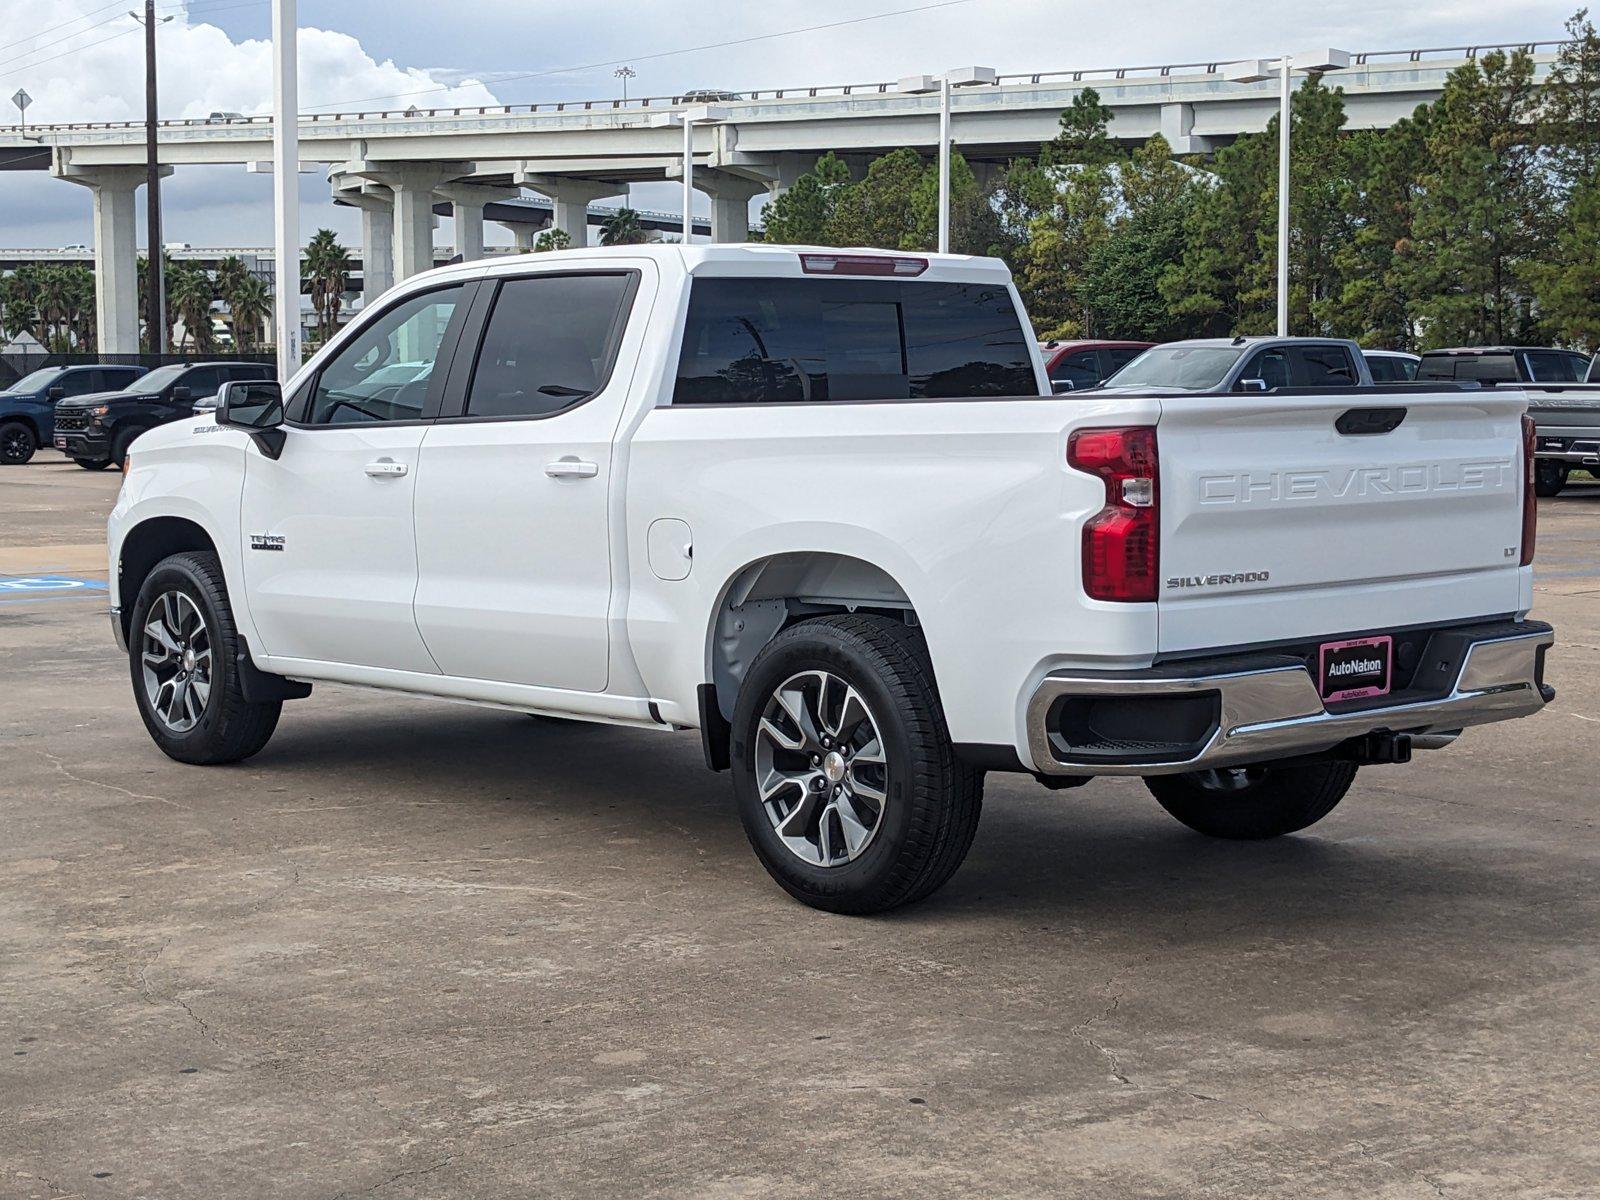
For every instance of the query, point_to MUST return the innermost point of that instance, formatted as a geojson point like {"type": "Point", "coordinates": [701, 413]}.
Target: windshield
{"type": "Point", "coordinates": [157, 379]}
{"type": "Point", "coordinates": [34, 380]}
{"type": "Point", "coordinates": [1190, 368]}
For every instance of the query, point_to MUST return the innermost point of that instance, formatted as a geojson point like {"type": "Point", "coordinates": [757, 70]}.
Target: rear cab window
{"type": "Point", "coordinates": [783, 340]}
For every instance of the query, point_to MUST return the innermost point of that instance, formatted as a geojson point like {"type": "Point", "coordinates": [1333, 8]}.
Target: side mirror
{"type": "Point", "coordinates": [1062, 386]}
{"type": "Point", "coordinates": [1251, 385]}
{"type": "Point", "coordinates": [55, 393]}
{"type": "Point", "coordinates": [256, 406]}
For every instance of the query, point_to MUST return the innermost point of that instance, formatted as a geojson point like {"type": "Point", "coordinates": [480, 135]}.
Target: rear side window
{"type": "Point", "coordinates": [1485, 368]}
{"type": "Point", "coordinates": [549, 344]}
{"type": "Point", "coordinates": [1081, 367]}
{"type": "Point", "coordinates": [750, 341]}
{"type": "Point", "coordinates": [1550, 366]}
{"type": "Point", "coordinates": [1322, 367]}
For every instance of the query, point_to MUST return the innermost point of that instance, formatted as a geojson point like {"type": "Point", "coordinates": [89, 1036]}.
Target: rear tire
{"type": "Point", "coordinates": [1549, 477]}
{"type": "Point", "coordinates": [17, 444]}
{"type": "Point", "coordinates": [182, 657]}
{"type": "Point", "coordinates": [93, 464]}
{"type": "Point", "coordinates": [1250, 803]}
{"type": "Point", "coordinates": [847, 784]}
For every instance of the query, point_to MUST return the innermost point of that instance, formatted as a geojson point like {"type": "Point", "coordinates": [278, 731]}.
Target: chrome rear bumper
{"type": "Point", "coordinates": [1273, 711]}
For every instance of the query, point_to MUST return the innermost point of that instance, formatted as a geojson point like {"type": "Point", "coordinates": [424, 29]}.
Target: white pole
{"type": "Point", "coordinates": [286, 187]}
{"type": "Point", "coordinates": [1285, 68]}
{"type": "Point", "coordinates": [944, 164]}
{"type": "Point", "coordinates": [688, 180]}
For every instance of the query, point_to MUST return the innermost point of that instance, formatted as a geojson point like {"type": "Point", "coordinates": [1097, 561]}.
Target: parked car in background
{"type": "Point", "coordinates": [1391, 366]}
{"type": "Point", "coordinates": [28, 407]}
{"type": "Point", "coordinates": [1073, 366]}
{"type": "Point", "coordinates": [1566, 412]}
{"type": "Point", "coordinates": [659, 486]}
{"type": "Point", "coordinates": [96, 430]}
{"type": "Point", "coordinates": [1244, 364]}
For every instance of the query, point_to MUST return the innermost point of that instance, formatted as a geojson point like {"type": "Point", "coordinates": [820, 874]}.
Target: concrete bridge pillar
{"type": "Point", "coordinates": [116, 253]}
{"type": "Point", "coordinates": [571, 197]}
{"type": "Point", "coordinates": [377, 231]}
{"type": "Point", "coordinates": [412, 187]}
{"type": "Point", "coordinates": [524, 234]}
{"type": "Point", "coordinates": [1177, 126]}
{"type": "Point", "coordinates": [730, 202]}
{"type": "Point", "coordinates": [466, 211]}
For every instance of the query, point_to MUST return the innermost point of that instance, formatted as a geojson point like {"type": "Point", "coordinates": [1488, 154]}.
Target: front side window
{"type": "Point", "coordinates": [786, 340]}
{"type": "Point", "coordinates": [1270, 366]}
{"type": "Point", "coordinates": [382, 373]}
{"type": "Point", "coordinates": [79, 383]}
{"type": "Point", "coordinates": [548, 344]}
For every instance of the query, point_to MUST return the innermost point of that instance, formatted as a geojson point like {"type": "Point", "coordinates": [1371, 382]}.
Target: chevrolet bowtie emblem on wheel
{"type": "Point", "coordinates": [266, 541]}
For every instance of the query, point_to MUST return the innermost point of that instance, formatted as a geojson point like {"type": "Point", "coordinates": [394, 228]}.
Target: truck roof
{"type": "Point", "coordinates": [757, 258]}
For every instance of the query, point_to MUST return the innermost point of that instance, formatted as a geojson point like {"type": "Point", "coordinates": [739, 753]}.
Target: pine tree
{"type": "Point", "coordinates": [800, 216]}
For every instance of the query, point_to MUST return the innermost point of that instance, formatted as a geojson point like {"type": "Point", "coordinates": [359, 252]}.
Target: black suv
{"type": "Point", "coordinates": [28, 406]}
{"type": "Point", "coordinates": [96, 431]}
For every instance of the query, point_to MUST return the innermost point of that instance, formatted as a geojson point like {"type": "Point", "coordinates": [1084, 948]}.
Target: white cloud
{"type": "Point", "coordinates": [93, 68]}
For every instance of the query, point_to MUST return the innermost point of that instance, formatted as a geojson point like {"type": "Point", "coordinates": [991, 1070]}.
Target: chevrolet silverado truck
{"type": "Point", "coordinates": [1565, 409]}
{"type": "Point", "coordinates": [821, 507]}
{"type": "Point", "coordinates": [96, 430]}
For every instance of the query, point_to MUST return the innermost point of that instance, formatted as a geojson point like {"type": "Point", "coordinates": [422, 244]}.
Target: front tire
{"type": "Point", "coordinates": [1251, 803]}
{"type": "Point", "coordinates": [17, 444]}
{"type": "Point", "coordinates": [182, 656]}
{"type": "Point", "coordinates": [93, 464]}
{"type": "Point", "coordinates": [848, 786]}
{"type": "Point", "coordinates": [1549, 477]}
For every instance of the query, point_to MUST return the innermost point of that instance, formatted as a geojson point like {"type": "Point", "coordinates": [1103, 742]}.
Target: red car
{"type": "Point", "coordinates": [1084, 364]}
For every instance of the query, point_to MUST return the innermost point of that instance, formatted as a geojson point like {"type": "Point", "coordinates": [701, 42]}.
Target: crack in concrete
{"type": "Point", "coordinates": [61, 768]}
{"type": "Point", "coordinates": [153, 997]}
{"type": "Point", "coordinates": [1080, 1030]}
{"type": "Point", "coordinates": [1368, 1154]}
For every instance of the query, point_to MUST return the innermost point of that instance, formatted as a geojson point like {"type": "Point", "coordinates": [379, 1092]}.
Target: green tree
{"type": "Point", "coordinates": [622, 228]}
{"type": "Point", "coordinates": [19, 308]}
{"type": "Point", "coordinates": [326, 271]}
{"type": "Point", "coordinates": [249, 306]}
{"type": "Point", "coordinates": [551, 239]}
{"type": "Point", "coordinates": [881, 210]}
{"type": "Point", "coordinates": [1481, 219]}
{"type": "Point", "coordinates": [1157, 199]}
{"type": "Point", "coordinates": [191, 292]}
{"type": "Point", "coordinates": [1566, 278]}
{"type": "Point", "coordinates": [801, 215]}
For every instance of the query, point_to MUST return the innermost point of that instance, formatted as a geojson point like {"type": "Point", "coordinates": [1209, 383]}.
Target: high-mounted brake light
{"type": "Point", "coordinates": [862, 264]}
{"type": "Point", "coordinates": [1530, 506]}
{"type": "Point", "coordinates": [1121, 542]}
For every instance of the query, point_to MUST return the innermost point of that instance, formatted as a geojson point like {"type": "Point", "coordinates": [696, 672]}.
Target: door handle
{"type": "Point", "coordinates": [571, 468]}
{"type": "Point", "coordinates": [386, 468]}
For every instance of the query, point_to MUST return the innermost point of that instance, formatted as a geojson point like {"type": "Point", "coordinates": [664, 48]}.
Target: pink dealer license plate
{"type": "Point", "coordinates": [1355, 669]}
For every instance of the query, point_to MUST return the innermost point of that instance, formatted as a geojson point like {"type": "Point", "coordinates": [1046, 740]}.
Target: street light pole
{"type": "Point", "coordinates": [286, 187]}
{"type": "Point", "coordinates": [922, 85]}
{"type": "Point", "coordinates": [944, 164]}
{"type": "Point", "coordinates": [1256, 71]}
{"type": "Point", "coordinates": [688, 179]}
{"type": "Point", "coordinates": [155, 283]}
{"type": "Point", "coordinates": [1285, 68]}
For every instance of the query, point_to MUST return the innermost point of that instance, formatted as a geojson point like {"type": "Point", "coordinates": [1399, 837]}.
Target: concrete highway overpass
{"type": "Point", "coordinates": [397, 166]}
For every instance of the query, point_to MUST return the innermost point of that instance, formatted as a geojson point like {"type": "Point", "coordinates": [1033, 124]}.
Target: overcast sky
{"type": "Point", "coordinates": [83, 60]}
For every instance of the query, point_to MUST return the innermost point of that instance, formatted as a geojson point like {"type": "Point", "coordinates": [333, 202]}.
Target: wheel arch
{"type": "Point", "coordinates": [770, 593]}
{"type": "Point", "coordinates": [146, 544]}
{"type": "Point", "coordinates": [22, 418]}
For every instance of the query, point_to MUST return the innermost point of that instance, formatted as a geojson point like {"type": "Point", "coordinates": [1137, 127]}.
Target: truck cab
{"type": "Point", "coordinates": [28, 407]}
{"type": "Point", "coordinates": [1244, 364]}
{"type": "Point", "coordinates": [95, 430]}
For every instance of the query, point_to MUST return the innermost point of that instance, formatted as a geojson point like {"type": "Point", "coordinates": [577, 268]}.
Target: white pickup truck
{"type": "Point", "coordinates": [821, 506]}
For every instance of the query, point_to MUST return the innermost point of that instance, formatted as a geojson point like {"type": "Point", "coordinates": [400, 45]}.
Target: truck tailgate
{"type": "Point", "coordinates": [1276, 526]}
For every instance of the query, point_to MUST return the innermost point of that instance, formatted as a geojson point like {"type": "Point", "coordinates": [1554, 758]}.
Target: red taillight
{"type": "Point", "coordinates": [1121, 542]}
{"type": "Point", "coordinates": [1530, 505]}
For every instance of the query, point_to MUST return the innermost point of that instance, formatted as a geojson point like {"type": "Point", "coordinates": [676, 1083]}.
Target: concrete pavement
{"type": "Point", "coordinates": [418, 950]}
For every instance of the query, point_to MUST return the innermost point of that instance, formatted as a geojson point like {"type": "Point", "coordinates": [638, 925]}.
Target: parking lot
{"type": "Point", "coordinates": [425, 950]}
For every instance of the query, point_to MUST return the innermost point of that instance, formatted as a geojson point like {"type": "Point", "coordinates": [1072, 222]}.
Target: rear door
{"type": "Point", "coordinates": [515, 484]}
{"type": "Point", "coordinates": [1275, 525]}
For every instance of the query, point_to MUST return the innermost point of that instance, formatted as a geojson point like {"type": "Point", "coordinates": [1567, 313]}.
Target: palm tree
{"type": "Point", "coordinates": [54, 298]}
{"type": "Point", "coordinates": [622, 228]}
{"type": "Point", "coordinates": [19, 303]}
{"type": "Point", "coordinates": [231, 274]}
{"type": "Point", "coordinates": [250, 305]}
{"type": "Point", "coordinates": [80, 306]}
{"type": "Point", "coordinates": [327, 270]}
{"type": "Point", "coordinates": [191, 293]}
{"type": "Point", "coordinates": [551, 239]}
